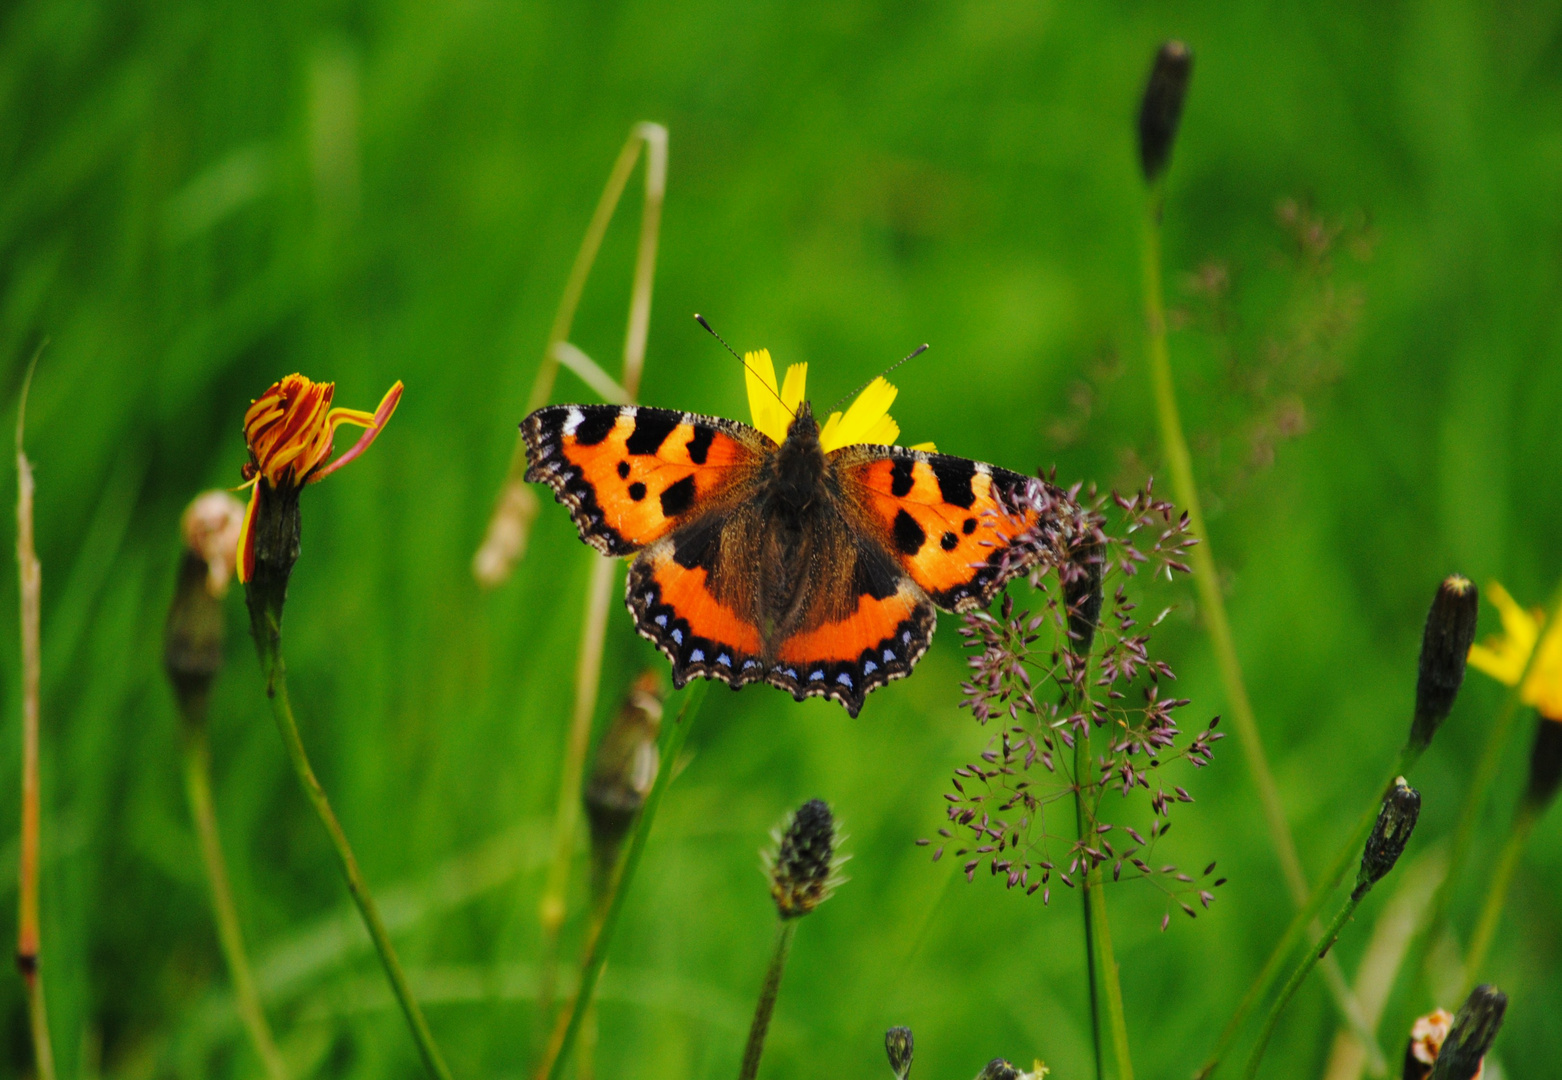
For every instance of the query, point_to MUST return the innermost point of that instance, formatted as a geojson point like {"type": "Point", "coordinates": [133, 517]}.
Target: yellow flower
{"type": "Point", "coordinates": [866, 420]}
{"type": "Point", "coordinates": [1505, 657]}
{"type": "Point", "coordinates": [289, 431]}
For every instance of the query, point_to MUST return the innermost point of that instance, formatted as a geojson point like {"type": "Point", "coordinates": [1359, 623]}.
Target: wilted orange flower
{"type": "Point", "coordinates": [289, 431]}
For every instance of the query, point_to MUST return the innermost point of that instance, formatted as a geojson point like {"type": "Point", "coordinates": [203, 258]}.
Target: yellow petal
{"type": "Point", "coordinates": [1543, 688]}
{"type": "Point", "coordinates": [1504, 657]}
{"type": "Point", "coordinates": [863, 419]}
{"type": "Point", "coordinates": [794, 389]}
{"type": "Point", "coordinates": [759, 375]}
{"type": "Point", "coordinates": [931, 448]}
{"type": "Point", "coordinates": [827, 434]}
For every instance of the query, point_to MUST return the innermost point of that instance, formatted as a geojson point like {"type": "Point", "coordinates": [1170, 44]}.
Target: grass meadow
{"type": "Point", "coordinates": [1363, 264]}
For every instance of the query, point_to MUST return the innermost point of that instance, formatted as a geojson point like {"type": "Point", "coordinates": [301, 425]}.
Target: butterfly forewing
{"type": "Point", "coordinates": [951, 524]}
{"type": "Point", "coordinates": [631, 474]}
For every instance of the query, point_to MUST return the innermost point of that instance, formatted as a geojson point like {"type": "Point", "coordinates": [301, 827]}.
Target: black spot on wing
{"type": "Point", "coordinates": [954, 480]}
{"type": "Point", "coordinates": [699, 446]}
{"type": "Point", "coordinates": [900, 477]}
{"type": "Point", "coordinates": [949, 542]}
{"type": "Point", "coordinates": [637, 491]}
{"type": "Point", "coordinates": [623, 470]}
{"type": "Point", "coordinates": [874, 575]}
{"type": "Point", "coordinates": [678, 497]}
{"type": "Point", "coordinates": [909, 536]}
{"type": "Point", "coordinates": [597, 422]}
{"type": "Point", "coordinates": [651, 430]}
{"type": "Point", "coordinates": [969, 527]}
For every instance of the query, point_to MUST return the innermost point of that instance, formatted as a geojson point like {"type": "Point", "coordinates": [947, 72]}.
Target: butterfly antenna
{"type": "Point", "coordinates": [918, 351]}
{"type": "Point", "coordinates": [711, 331]}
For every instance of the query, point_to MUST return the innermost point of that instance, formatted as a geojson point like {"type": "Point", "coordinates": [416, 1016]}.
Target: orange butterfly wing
{"type": "Point", "coordinates": [960, 529]}
{"type": "Point", "coordinates": [631, 474]}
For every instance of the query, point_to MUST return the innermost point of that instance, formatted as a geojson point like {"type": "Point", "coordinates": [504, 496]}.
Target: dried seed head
{"type": "Point", "coordinates": [802, 866]}
{"type": "Point", "coordinates": [1396, 821]}
{"type": "Point", "coordinates": [210, 527]}
{"type": "Point", "coordinates": [1463, 1053]}
{"type": "Point", "coordinates": [1161, 109]}
{"type": "Point", "coordinates": [194, 634]}
{"type": "Point", "coordinates": [998, 1069]}
{"type": "Point", "coordinates": [898, 1044]}
{"type": "Point", "coordinates": [1545, 764]}
{"type": "Point", "coordinates": [623, 771]}
{"type": "Point", "coordinates": [1450, 629]}
{"type": "Point", "coordinates": [1427, 1035]}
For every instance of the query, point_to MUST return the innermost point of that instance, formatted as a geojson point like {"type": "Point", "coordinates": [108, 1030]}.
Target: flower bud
{"type": "Point", "coordinates": [898, 1044]}
{"type": "Point", "coordinates": [1545, 764]}
{"type": "Point", "coordinates": [802, 867]}
{"type": "Point", "coordinates": [622, 773]}
{"type": "Point", "coordinates": [1463, 1053]}
{"type": "Point", "coordinates": [1161, 109]}
{"type": "Point", "coordinates": [1082, 595]}
{"type": "Point", "coordinates": [194, 634]}
{"type": "Point", "coordinates": [1450, 630]}
{"type": "Point", "coordinates": [1396, 821]}
{"type": "Point", "coordinates": [998, 1069]}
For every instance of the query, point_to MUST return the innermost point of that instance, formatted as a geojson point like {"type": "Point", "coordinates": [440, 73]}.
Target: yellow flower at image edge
{"type": "Point", "coordinates": [289, 431]}
{"type": "Point", "coordinates": [866, 420]}
{"type": "Point", "coordinates": [1504, 657]}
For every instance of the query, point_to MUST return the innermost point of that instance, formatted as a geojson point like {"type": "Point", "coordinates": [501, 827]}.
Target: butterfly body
{"type": "Point", "coordinates": [763, 562]}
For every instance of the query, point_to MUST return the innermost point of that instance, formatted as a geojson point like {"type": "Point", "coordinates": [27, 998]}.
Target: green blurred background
{"type": "Point", "coordinates": [1363, 231]}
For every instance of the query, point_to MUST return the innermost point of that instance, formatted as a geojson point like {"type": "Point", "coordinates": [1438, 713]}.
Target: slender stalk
{"type": "Point", "coordinates": [197, 786]}
{"type": "Point", "coordinates": [566, 821]}
{"type": "Point", "coordinates": [554, 904]}
{"type": "Point", "coordinates": [766, 1005]}
{"type": "Point", "coordinates": [1299, 974]}
{"type": "Point", "coordinates": [1305, 918]}
{"type": "Point", "coordinates": [1206, 581]}
{"type": "Point", "coordinates": [1205, 578]}
{"type": "Point", "coordinates": [505, 539]}
{"type": "Point", "coordinates": [282, 712]}
{"type": "Point", "coordinates": [1083, 827]}
{"type": "Point", "coordinates": [30, 576]}
{"type": "Point", "coordinates": [1116, 1018]}
{"type": "Point", "coordinates": [1524, 820]}
{"type": "Point", "coordinates": [600, 936]}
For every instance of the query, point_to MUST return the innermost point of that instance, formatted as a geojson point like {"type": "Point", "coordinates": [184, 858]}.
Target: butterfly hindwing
{"type": "Point", "coordinates": [862, 622]}
{"type": "Point", "coordinates": [951, 524]}
{"type": "Point", "coordinates": [630, 474]}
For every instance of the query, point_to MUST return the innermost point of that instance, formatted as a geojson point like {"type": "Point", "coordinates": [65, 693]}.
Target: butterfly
{"type": "Point", "coordinates": [786, 553]}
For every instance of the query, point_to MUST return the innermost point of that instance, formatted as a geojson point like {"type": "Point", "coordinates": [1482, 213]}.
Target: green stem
{"type": "Point", "coordinates": [566, 822]}
{"type": "Point", "coordinates": [1109, 977]}
{"type": "Point", "coordinates": [282, 711]}
{"type": "Point", "coordinates": [1350, 853]}
{"type": "Point", "coordinates": [601, 934]}
{"type": "Point", "coordinates": [1297, 976]}
{"type": "Point", "coordinates": [197, 786]}
{"type": "Point", "coordinates": [1524, 819]}
{"type": "Point", "coordinates": [1205, 578]}
{"type": "Point", "coordinates": [1083, 826]}
{"type": "Point", "coordinates": [767, 1000]}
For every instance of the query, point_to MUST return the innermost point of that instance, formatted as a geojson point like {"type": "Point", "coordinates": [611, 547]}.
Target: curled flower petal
{"type": "Point", "coordinates": [372, 423]}
{"type": "Point", "coordinates": [289, 431]}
